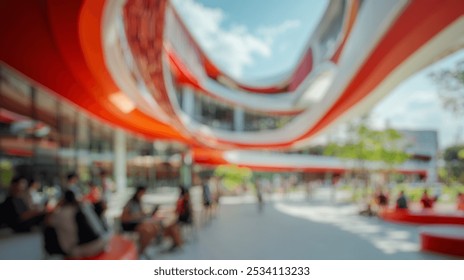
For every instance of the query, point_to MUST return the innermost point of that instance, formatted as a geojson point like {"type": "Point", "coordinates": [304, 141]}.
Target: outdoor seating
{"type": "Point", "coordinates": [421, 218]}
{"type": "Point", "coordinates": [119, 248]}
{"type": "Point", "coordinates": [443, 239]}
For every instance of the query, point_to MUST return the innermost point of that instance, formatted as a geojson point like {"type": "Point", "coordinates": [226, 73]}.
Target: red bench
{"type": "Point", "coordinates": [443, 239]}
{"type": "Point", "coordinates": [422, 218]}
{"type": "Point", "coordinates": [119, 248]}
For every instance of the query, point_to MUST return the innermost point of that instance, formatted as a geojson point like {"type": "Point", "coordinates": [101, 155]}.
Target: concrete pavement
{"type": "Point", "coordinates": [294, 227]}
{"type": "Point", "coordinates": [289, 227]}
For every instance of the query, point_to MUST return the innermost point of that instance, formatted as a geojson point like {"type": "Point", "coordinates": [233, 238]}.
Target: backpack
{"type": "Point", "coordinates": [50, 237]}
{"type": "Point", "coordinates": [2, 215]}
{"type": "Point", "coordinates": [86, 232]}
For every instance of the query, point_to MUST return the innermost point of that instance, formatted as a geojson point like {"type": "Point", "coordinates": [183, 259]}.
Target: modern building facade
{"type": "Point", "coordinates": [44, 136]}
{"type": "Point", "coordinates": [123, 85]}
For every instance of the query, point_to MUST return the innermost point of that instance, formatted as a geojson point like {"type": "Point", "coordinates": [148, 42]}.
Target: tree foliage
{"type": "Point", "coordinates": [233, 176]}
{"type": "Point", "coordinates": [454, 163]}
{"type": "Point", "coordinates": [366, 144]}
{"type": "Point", "coordinates": [450, 84]}
{"type": "Point", "coordinates": [6, 173]}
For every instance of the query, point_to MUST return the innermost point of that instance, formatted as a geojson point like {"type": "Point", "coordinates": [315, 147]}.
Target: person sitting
{"type": "Point", "coordinates": [95, 197]}
{"type": "Point", "coordinates": [94, 194]}
{"type": "Point", "coordinates": [367, 211]}
{"type": "Point", "coordinates": [184, 207]}
{"type": "Point", "coordinates": [79, 231]}
{"type": "Point", "coordinates": [107, 185]}
{"type": "Point", "coordinates": [72, 184]}
{"type": "Point", "coordinates": [382, 199]}
{"type": "Point", "coordinates": [32, 197]}
{"type": "Point", "coordinates": [134, 219]}
{"type": "Point", "coordinates": [460, 201]}
{"type": "Point", "coordinates": [401, 202]}
{"type": "Point", "coordinates": [426, 201]}
{"type": "Point", "coordinates": [18, 215]}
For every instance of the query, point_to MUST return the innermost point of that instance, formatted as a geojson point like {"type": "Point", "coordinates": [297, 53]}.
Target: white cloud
{"type": "Point", "coordinates": [404, 109]}
{"type": "Point", "coordinates": [270, 33]}
{"type": "Point", "coordinates": [235, 47]}
{"type": "Point", "coordinates": [417, 110]}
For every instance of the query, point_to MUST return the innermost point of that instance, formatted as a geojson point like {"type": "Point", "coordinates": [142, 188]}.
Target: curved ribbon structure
{"type": "Point", "coordinates": [128, 61]}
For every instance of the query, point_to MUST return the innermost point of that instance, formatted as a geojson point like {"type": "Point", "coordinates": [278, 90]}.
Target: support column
{"type": "Point", "coordinates": [153, 176]}
{"type": "Point", "coordinates": [329, 182]}
{"type": "Point", "coordinates": [432, 174]}
{"type": "Point", "coordinates": [34, 117]}
{"type": "Point", "coordinates": [84, 154]}
{"type": "Point", "coordinates": [75, 147]}
{"type": "Point", "coordinates": [239, 119]}
{"type": "Point", "coordinates": [188, 101]}
{"type": "Point", "coordinates": [120, 162]}
{"type": "Point", "coordinates": [432, 170]}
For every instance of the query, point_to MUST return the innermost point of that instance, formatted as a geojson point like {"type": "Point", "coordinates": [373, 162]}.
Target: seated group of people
{"type": "Point", "coordinates": [150, 227]}
{"type": "Point", "coordinates": [19, 211]}
{"type": "Point", "coordinates": [381, 200]}
{"type": "Point", "coordinates": [75, 227]}
{"type": "Point", "coordinates": [426, 201]}
{"type": "Point", "coordinates": [72, 224]}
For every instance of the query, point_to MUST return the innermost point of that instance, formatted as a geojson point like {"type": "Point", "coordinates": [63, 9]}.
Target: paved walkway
{"type": "Point", "coordinates": [290, 227]}
{"type": "Point", "coordinates": [293, 227]}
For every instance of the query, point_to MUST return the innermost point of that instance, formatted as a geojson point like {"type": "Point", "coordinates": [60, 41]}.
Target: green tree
{"type": "Point", "coordinates": [317, 150]}
{"type": "Point", "coordinates": [233, 176]}
{"type": "Point", "coordinates": [365, 145]}
{"type": "Point", "coordinates": [450, 84]}
{"type": "Point", "coordinates": [391, 149]}
{"type": "Point", "coordinates": [454, 163]}
{"type": "Point", "coordinates": [6, 173]}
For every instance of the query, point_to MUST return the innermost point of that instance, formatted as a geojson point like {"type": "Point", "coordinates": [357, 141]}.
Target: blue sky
{"type": "Point", "coordinates": [253, 39]}
{"type": "Point", "coordinates": [415, 104]}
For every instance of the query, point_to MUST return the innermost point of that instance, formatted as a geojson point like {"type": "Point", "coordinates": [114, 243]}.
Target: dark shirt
{"type": "Point", "coordinates": [427, 202]}
{"type": "Point", "coordinates": [382, 199]}
{"type": "Point", "coordinates": [184, 210]}
{"type": "Point", "coordinates": [206, 194]}
{"type": "Point", "coordinates": [134, 208]}
{"type": "Point", "coordinates": [401, 203]}
{"type": "Point", "coordinates": [14, 207]}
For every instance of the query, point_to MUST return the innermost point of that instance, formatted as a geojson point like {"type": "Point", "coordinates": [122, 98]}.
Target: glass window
{"type": "Point", "coordinates": [95, 137]}
{"type": "Point", "coordinates": [46, 108]}
{"type": "Point", "coordinates": [107, 138]}
{"type": "Point", "coordinates": [210, 112]}
{"type": "Point", "coordinates": [67, 125]}
{"type": "Point", "coordinates": [15, 93]}
{"type": "Point", "coordinates": [83, 132]}
{"type": "Point", "coordinates": [256, 122]}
